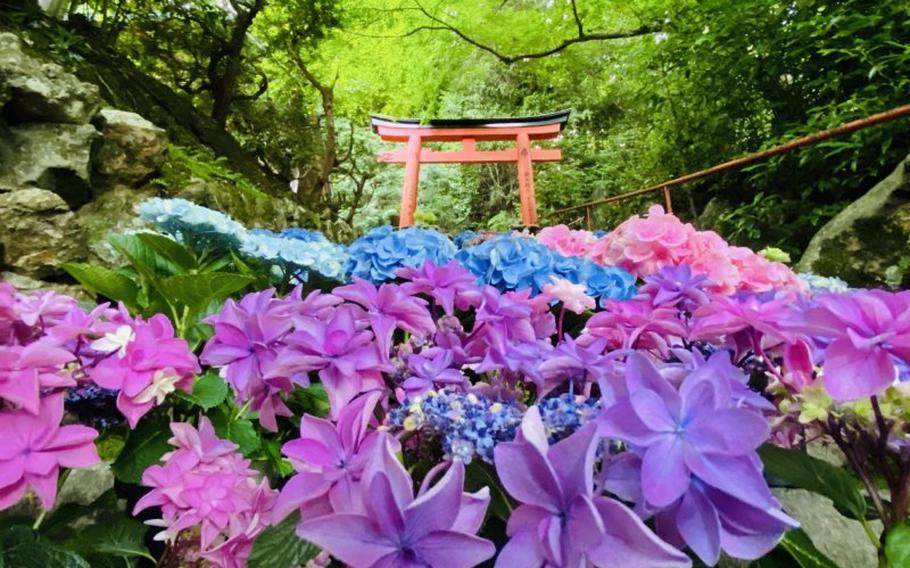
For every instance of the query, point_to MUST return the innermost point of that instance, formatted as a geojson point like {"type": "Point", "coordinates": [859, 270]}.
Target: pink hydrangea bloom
{"type": "Point", "coordinates": [36, 446]}
{"type": "Point", "coordinates": [574, 297]}
{"type": "Point", "coordinates": [205, 484]}
{"type": "Point", "coordinates": [145, 362]}
{"type": "Point", "coordinates": [567, 241]}
{"type": "Point", "coordinates": [644, 245]}
{"type": "Point", "coordinates": [25, 370]}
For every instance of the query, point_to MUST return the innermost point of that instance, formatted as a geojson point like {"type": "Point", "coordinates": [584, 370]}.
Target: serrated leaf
{"type": "Point", "coordinates": [144, 447]}
{"type": "Point", "coordinates": [21, 547]}
{"type": "Point", "coordinates": [802, 470]}
{"type": "Point", "coordinates": [280, 547]}
{"type": "Point", "coordinates": [801, 548]}
{"type": "Point", "coordinates": [143, 257]}
{"type": "Point", "coordinates": [238, 430]}
{"type": "Point", "coordinates": [118, 536]}
{"type": "Point", "coordinates": [170, 249]}
{"type": "Point", "coordinates": [209, 391]}
{"type": "Point", "coordinates": [198, 290]}
{"type": "Point", "coordinates": [104, 281]}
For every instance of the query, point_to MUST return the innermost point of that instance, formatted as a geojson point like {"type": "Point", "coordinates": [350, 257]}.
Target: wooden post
{"type": "Point", "coordinates": [411, 179]}
{"type": "Point", "coordinates": [589, 218]}
{"type": "Point", "coordinates": [526, 180]}
{"type": "Point", "coordinates": [667, 200]}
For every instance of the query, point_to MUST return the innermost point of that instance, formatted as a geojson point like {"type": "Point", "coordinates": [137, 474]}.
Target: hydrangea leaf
{"type": "Point", "coordinates": [279, 547]}
{"type": "Point", "coordinates": [238, 430]}
{"type": "Point", "coordinates": [104, 281]}
{"type": "Point", "coordinates": [209, 391]}
{"type": "Point", "coordinates": [21, 547]}
{"type": "Point", "coordinates": [897, 545]}
{"type": "Point", "coordinates": [197, 291]}
{"type": "Point", "coordinates": [806, 472]}
{"type": "Point", "coordinates": [169, 248]}
{"type": "Point", "coordinates": [144, 447]}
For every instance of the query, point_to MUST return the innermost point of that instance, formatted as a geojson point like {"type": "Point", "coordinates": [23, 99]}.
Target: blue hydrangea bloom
{"type": "Point", "coordinates": [464, 237]}
{"type": "Point", "coordinates": [509, 262]}
{"type": "Point", "coordinates": [472, 425]}
{"type": "Point", "coordinates": [379, 253]}
{"type": "Point", "coordinates": [192, 224]}
{"type": "Point", "coordinates": [602, 282]}
{"type": "Point", "coordinates": [516, 262]}
{"type": "Point", "coordinates": [295, 256]}
{"type": "Point", "coordinates": [820, 284]}
{"type": "Point", "coordinates": [305, 235]}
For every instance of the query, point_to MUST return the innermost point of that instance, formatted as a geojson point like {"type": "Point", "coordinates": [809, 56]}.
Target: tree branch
{"type": "Point", "coordinates": [582, 37]}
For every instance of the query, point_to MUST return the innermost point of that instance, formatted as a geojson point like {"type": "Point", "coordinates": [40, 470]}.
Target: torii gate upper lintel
{"type": "Point", "coordinates": [469, 131]}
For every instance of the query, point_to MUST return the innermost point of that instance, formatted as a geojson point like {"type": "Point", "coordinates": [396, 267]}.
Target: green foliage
{"type": "Point", "coordinates": [144, 447]}
{"type": "Point", "coordinates": [232, 426]}
{"type": "Point", "coordinates": [167, 277]}
{"type": "Point", "coordinates": [802, 470]}
{"type": "Point", "coordinates": [897, 546]}
{"type": "Point", "coordinates": [209, 391]}
{"type": "Point", "coordinates": [22, 547]}
{"type": "Point", "coordinates": [279, 547]}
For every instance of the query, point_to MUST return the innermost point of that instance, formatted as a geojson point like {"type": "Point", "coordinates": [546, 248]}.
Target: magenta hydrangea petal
{"type": "Point", "coordinates": [851, 373]}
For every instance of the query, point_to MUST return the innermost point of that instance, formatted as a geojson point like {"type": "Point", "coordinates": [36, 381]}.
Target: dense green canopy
{"type": "Point", "coordinates": [657, 88]}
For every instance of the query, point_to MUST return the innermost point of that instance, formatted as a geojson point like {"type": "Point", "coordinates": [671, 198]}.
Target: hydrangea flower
{"type": "Point", "coordinates": [205, 484]}
{"type": "Point", "coordinates": [429, 368]}
{"type": "Point", "coordinates": [145, 365]}
{"type": "Point", "coordinates": [689, 439]}
{"type": "Point", "coordinates": [677, 286]}
{"type": "Point", "coordinates": [435, 528]}
{"type": "Point", "coordinates": [192, 224]}
{"type": "Point", "coordinates": [35, 447]}
{"type": "Point", "coordinates": [378, 254]}
{"type": "Point", "coordinates": [296, 257]}
{"type": "Point", "coordinates": [509, 262]}
{"type": "Point", "coordinates": [820, 284]}
{"type": "Point", "coordinates": [26, 370]}
{"type": "Point", "coordinates": [340, 350]}
{"type": "Point", "coordinates": [574, 297]}
{"type": "Point", "coordinates": [566, 241]}
{"type": "Point", "coordinates": [247, 338]}
{"type": "Point", "coordinates": [449, 285]}
{"type": "Point", "coordinates": [561, 522]}
{"type": "Point", "coordinates": [865, 332]}
{"type": "Point", "coordinates": [329, 459]}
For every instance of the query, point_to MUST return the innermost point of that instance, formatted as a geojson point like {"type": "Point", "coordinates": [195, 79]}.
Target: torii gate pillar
{"type": "Point", "coordinates": [468, 132]}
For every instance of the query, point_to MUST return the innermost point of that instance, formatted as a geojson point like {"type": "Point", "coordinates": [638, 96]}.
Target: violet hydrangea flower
{"type": "Point", "coordinates": [697, 457]}
{"type": "Point", "coordinates": [433, 530]}
{"type": "Point", "coordinates": [388, 307]}
{"type": "Point", "coordinates": [36, 446]}
{"type": "Point", "coordinates": [329, 459]}
{"type": "Point", "coordinates": [431, 367]}
{"type": "Point", "coordinates": [25, 370]}
{"type": "Point", "coordinates": [450, 285]}
{"type": "Point", "coordinates": [561, 522]}
{"type": "Point", "coordinates": [341, 350]}
{"type": "Point", "coordinates": [866, 330]}
{"type": "Point", "coordinates": [677, 286]}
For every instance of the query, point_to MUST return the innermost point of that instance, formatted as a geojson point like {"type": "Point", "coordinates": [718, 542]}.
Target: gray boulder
{"type": "Point", "coordinates": [37, 233]}
{"type": "Point", "coordinates": [868, 236]}
{"type": "Point", "coordinates": [50, 156]}
{"type": "Point", "coordinates": [130, 149]}
{"type": "Point", "coordinates": [36, 90]}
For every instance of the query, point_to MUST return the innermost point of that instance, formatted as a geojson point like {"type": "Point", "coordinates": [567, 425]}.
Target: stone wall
{"type": "Point", "coordinates": [71, 171]}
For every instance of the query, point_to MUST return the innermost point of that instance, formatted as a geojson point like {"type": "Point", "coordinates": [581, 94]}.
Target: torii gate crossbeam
{"type": "Point", "coordinates": [470, 131]}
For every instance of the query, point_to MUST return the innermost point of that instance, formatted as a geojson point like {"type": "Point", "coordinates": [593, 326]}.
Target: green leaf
{"type": "Point", "coordinates": [144, 258]}
{"type": "Point", "coordinates": [118, 536]}
{"type": "Point", "coordinates": [477, 476]}
{"type": "Point", "coordinates": [280, 547]}
{"type": "Point", "coordinates": [170, 249]}
{"type": "Point", "coordinates": [143, 448]}
{"type": "Point", "coordinates": [897, 546]}
{"type": "Point", "coordinates": [238, 430]}
{"type": "Point", "coordinates": [104, 281]}
{"type": "Point", "coordinates": [197, 291]}
{"type": "Point", "coordinates": [801, 548]}
{"type": "Point", "coordinates": [802, 470]}
{"type": "Point", "coordinates": [209, 391]}
{"type": "Point", "coordinates": [21, 547]}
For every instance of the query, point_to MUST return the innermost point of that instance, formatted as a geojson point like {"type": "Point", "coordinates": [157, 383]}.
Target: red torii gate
{"type": "Point", "coordinates": [469, 131]}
